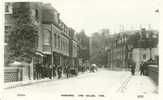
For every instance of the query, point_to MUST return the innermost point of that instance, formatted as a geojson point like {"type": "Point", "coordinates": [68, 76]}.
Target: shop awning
{"type": "Point", "coordinates": [48, 53]}
{"type": "Point", "coordinates": [39, 53]}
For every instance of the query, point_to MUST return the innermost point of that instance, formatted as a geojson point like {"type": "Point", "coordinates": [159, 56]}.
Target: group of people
{"type": "Point", "coordinates": [48, 70]}
{"type": "Point", "coordinates": [51, 71]}
{"type": "Point", "coordinates": [143, 67]}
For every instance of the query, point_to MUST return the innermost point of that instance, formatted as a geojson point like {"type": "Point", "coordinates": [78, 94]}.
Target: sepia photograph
{"type": "Point", "coordinates": [81, 50]}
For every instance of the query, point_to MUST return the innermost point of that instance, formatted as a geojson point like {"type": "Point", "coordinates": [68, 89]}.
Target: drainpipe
{"type": "Point", "coordinates": [51, 39]}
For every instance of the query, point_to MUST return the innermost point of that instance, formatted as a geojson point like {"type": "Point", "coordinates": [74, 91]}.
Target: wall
{"type": "Point", "coordinates": [138, 53]}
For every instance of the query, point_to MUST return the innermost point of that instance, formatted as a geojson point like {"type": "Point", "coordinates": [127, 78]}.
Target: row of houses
{"type": "Point", "coordinates": [57, 43]}
{"type": "Point", "coordinates": [138, 44]}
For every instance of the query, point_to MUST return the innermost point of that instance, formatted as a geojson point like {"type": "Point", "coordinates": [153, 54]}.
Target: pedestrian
{"type": "Point", "coordinates": [46, 70]}
{"type": "Point", "coordinates": [50, 71]}
{"type": "Point", "coordinates": [37, 70]}
{"type": "Point", "coordinates": [142, 68]}
{"type": "Point", "coordinates": [145, 63]}
{"type": "Point", "coordinates": [132, 65]}
{"type": "Point", "coordinates": [133, 68]}
{"type": "Point", "coordinates": [59, 71]}
{"type": "Point", "coordinates": [67, 70]}
{"type": "Point", "coordinates": [42, 70]}
{"type": "Point", "coordinates": [54, 70]}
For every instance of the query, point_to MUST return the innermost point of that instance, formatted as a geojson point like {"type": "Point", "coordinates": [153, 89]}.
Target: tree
{"type": "Point", "coordinates": [100, 42]}
{"type": "Point", "coordinates": [84, 45]}
{"type": "Point", "coordinates": [23, 38]}
{"type": "Point", "coordinates": [144, 39]}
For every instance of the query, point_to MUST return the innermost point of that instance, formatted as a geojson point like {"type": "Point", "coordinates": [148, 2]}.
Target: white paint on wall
{"type": "Point", "coordinates": [138, 53]}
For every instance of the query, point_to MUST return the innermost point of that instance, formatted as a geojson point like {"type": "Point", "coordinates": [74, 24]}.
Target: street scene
{"type": "Point", "coordinates": [52, 52]}
{"type": "Point", "coordinates": [101, 85]}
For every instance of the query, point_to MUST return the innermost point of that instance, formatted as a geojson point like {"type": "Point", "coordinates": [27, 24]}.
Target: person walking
{"type": "Point", "coordinates": [145, 63]}
{"type": "Point", "coordinates": [54, 70]}
{"type": "Point", "coordinates": [50, 71]}
{"type": "Point", "coordinates": [142, 68]}
{"type": "Point", "coordinates": [132, 65]}
{"type": "Point", "coordinates": [133, 68]}
{"type": "Point", "coordinates": [37, 70]}
{"type": "Point", "coordinates": [59, 71]}
{"type": "Point", "coordinates": [67, 70]}
{"type": "Point", "coordinates": [42, 70]}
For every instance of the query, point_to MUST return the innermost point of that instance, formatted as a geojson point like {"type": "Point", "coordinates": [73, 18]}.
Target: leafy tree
{"type": "Point", "coordinates": [143, 39]}
{"type": "Point", "coordinates": [23, 38]}
{"type": "Point", "coordinates": [134, 39]}
{"type": "Point", "coordinates": [84, 45]}
{"type": "Point", "coordinates": [100, 42]}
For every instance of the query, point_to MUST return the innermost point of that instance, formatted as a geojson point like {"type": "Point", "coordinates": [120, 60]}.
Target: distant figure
{"type": "Point", "coordinates": [145, 63]}
{"type": "Point", "coordinates": [67, 71]}
{"type": "Point", "coordinates": [42, 70]}
{"type": "Point", "coordinates": [37, 70]}
{"type": "Point", "coordinates": [142, 68]}
{"type": "Point", "coordinates": [132, 65]}
{"type": "Point", "coordinates": [59, 71]}
{"type": "Point", "coordinates": [50, 71]}
{"type": "Point", "coordinates": [133, 68]}
{"type": "Point", "coordinates": [54, 70]}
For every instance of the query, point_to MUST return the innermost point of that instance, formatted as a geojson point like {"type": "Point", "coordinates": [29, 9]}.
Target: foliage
{"type": "Point", "coordinates": [84, 45]}
{"type": "Point", "coordinates": [134, 39]}
{"type": "Point", "coordinates": [23, 37]}
{"type": "Point", "coordinates": [100, 42]}
{"type": "Point", "coordinates": [140, 40]}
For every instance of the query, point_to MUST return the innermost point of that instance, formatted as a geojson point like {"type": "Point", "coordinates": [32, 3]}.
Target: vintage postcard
{"type": "Point", "coordinates": [80, 49]}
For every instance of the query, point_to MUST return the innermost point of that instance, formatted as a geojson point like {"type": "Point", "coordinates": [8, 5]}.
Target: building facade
{"type": "Point", "coordinates": [56, 41]}
{"type": "Point", "coordinates": [117, 54]}
{"type": "Point", "coordinates": [135, 44]}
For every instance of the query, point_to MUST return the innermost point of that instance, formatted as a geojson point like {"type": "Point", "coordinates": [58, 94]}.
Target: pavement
{"type": "Point", "coordinates": [10, 85]}
{"type": "Point", "coordinates": [137, 88]}
{"type": "Point", "coordinates": [102, 85]}
{"type": "Point", "coordinates": [24, 83]}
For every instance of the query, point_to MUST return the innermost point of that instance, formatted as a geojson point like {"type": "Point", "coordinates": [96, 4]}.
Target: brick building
{"type": "Point", "coordinates": [56, 41]}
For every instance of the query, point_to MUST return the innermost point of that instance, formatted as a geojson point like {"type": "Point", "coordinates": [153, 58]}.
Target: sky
{"type": "Point", "coordinates": [116, 15]}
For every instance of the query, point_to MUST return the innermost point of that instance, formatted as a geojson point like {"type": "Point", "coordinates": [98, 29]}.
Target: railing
{"type": "Point", "coordinates": [12, 74]}
{"type": "Point", "coordinates": [153, 73]}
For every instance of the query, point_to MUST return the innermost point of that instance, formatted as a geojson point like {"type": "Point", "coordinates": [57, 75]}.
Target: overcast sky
{"type": "Point", "coordinates": [93, 15]}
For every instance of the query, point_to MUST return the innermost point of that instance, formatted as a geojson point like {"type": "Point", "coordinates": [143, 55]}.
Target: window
{"type": "Point", "coordinates": [64, 45]}
{"type": "Point", "coordinates": [36, 13]}
{"type": "Point", "coordinates": [58, 42]}
{"type": "Point", "coordinates": [61, 43]}
{"type": "Point", "coordinates": [7, 32]}
{"type": "Point", "coordinates": [46, 37]}
{"type": "Point", "coordinates": [55, 40]}
{"type": "Point", "coordinates": [8, 8]}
